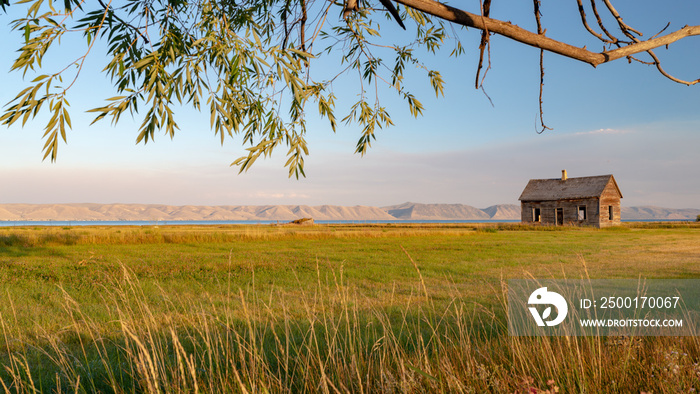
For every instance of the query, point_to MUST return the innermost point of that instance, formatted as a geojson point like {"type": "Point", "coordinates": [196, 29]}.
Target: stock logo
{"type": "Point", "coordinates": [543, 297]}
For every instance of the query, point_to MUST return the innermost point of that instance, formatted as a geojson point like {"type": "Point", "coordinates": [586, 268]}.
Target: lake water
{"type": "Point", "coordinates": [70, 223]}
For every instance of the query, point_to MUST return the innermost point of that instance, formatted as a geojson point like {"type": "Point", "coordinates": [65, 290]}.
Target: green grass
{"type": "Point", "coordinates": [390, 308]}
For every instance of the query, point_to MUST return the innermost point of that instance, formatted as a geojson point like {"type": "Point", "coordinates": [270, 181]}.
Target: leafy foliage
{"type": "Point", "coordinates": [252, 64]}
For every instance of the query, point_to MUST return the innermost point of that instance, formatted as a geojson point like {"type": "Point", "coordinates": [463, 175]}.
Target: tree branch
{"type": "Point", "coordinates": [485, 10]}
{"type": "Point", "coordinates": [302, 27]}
{"type": "Point", "coordinates": [643, 46]}
{"type": "Point", "coordinates": [584, 21]}
{"type": "Point", "coordinates": [540, 41]}
{"type": "Point", "coordinates": [540, 31]}
{"type": "Point", "coordinates": [626, 29]}
{"type": "Point", "coordinates": [614, 40]}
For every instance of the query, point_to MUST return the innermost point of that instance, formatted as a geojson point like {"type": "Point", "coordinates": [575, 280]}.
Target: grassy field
{"type": "Point", "coordinates": [385, 308]}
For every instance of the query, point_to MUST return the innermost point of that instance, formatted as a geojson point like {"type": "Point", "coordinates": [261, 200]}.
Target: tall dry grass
{"type": "Point", "coordinates": [336, 342]}
{"type": "Point", "coordinates": [129, 235]}
{"type": "Point", "coordinates": [106, 235]}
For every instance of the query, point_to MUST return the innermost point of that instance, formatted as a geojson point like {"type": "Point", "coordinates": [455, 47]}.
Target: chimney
{"type": "Point", "coordinates": [563, 175]}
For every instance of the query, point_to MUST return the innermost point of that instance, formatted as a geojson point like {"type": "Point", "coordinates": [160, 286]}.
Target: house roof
{"type": "Point", "coordinates": [556, 189]}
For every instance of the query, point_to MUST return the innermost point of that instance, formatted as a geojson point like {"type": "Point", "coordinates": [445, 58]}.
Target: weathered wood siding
{"type": "Point", "coordinates": [569, 208]}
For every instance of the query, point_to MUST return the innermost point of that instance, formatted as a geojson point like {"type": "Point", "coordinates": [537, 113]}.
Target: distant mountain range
{"type": "Point", "coordinates": [658, 213]}
{"type": "Point", "coordinates": [407, 211]}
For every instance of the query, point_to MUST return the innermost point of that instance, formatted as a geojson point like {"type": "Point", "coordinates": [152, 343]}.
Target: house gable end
{"type": "Point", "coordinates": [613, 184]}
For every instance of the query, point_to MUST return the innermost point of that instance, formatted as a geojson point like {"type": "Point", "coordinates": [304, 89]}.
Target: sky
{"type": "Point", "coordinates": [619, 118]}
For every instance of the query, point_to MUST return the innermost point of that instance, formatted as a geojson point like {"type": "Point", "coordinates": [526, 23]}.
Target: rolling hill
{"type": "Point", "coordinates": [658, 213]}
{"type": "Point", "coordinates": [414, 211]}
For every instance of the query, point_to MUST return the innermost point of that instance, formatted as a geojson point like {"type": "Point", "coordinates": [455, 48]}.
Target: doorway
{"type": "Point", "coordinates": [560, 216]}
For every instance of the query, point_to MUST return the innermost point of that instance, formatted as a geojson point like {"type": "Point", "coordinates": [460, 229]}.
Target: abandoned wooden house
{"type": "Point", "coordinates": [590, 200]}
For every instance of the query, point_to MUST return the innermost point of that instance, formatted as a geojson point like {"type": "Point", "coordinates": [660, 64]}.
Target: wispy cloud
{"type": "Point", "coordinates": [604, 131]}
{"type": "Point", "coordinates": [280, 196]}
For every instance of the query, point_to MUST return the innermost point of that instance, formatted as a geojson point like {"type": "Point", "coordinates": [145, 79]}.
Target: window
{"type": "Point", "coordinates": [582, 213]}
{"type": "Point", "coordinates": [536, 217]}
{"type": "Point", "coordinates": [610, 212]}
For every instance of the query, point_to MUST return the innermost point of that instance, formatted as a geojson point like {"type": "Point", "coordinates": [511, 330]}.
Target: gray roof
{"type": "Point", "coordinates": [556, 189]}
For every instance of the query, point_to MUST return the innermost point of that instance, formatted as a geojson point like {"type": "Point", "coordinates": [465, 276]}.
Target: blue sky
{"type": "Point", "coordinates": [622, 119]}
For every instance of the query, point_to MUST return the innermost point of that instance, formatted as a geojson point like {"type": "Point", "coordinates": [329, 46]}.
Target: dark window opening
{"type": "Point", "coordinates": [582, 213]}
{"type": "Point", "coordinates": [610, 212]}
{"type": "Point", "coordinates": [536, 217]}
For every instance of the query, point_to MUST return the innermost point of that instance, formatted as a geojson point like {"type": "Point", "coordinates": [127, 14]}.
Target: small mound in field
{"type": "Point", "coordinates": [303, 222]}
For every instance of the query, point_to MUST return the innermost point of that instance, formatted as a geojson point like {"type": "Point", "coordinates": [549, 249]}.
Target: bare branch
{"type": "Point", "coordinates": [613, 39]}
{"type": "Point", "coordinates": [302, 27]}
{"type": "Point", "coordinates": [584, 21]}
{"type": "Point", "coordinates": [662, 30]}
{"type": "Point", "coordinates": [485, 10]}
{"type": "Point", "coordinates": [505, 29]}
{"type": "Point", "coordinates": [540, 41]}
{"type": "Point", "coordinates": [663, 72]}
{"type": "Point", "coordinates": [631, 58]}
{"type": "Point", "coordinates": [644, 46]}
{"type": "Point", "coordinates": [626, 29]}
{"type": "Point", "coordinates": [544, 126]}
{"type": "Point", "coordinates": [538, 15]}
